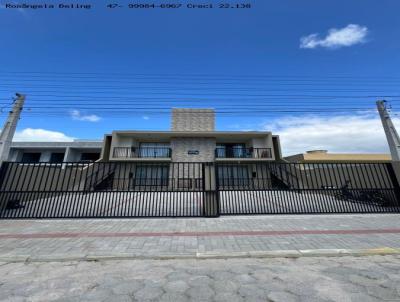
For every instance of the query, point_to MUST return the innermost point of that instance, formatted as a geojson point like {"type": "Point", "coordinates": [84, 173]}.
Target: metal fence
{"type": "Point", "coordinates": [289, 188]}
{"type": "Point", "coordinates": [106, 189]}
{"type": "Point", "coordinates": [239, 152]}
{"type": "Point", "coordinates": [142, 152]}
{"type": "Point", "coordinates": [165, 189]}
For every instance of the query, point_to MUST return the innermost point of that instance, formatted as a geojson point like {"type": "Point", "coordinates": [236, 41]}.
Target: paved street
{"type": "Point", "coordinates": [344, 279]}
{"type": "Point", "coordinates": [198, 259]}
{"type": "Point", "coordinates": [154, 238]}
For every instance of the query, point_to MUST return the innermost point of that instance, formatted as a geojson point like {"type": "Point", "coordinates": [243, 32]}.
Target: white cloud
{"type": "Point", "coordinates": [76, 115]}
{"type": "Point", "coordinates": [341, 134]}
{"type": "Point", "coordinates": [347, 36]}
{"type": "Point", "coordinates": [41, 135]}
{"type": "Point", "coordinates": [145, 117]}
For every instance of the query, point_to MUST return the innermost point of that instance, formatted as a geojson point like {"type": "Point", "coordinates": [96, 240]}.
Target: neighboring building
{"type": "Point", "coordinates": [323, 156]}
{"type": "Point", "coordinates": [55, 152]}
{"type": "Point", "coordinates": [192, 139]}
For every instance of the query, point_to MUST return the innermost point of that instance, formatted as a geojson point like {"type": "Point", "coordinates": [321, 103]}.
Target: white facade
{"type": "Point", "coordinates": [75, 151]}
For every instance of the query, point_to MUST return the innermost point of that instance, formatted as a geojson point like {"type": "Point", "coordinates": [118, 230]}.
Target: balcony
{"type": "Point", "coordinates": [264, 153]}
{"type": "Point", "coordinates": [143, 152]}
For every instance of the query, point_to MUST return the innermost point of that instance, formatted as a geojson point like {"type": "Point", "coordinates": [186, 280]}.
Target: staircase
{"type": "Point", "coordinates": [284, 176]}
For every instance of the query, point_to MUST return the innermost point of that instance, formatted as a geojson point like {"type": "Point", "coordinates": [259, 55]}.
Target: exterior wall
{"type": "Point", "coordinates": [73, 155]}
{"type": "Point", "coordinates": [15, 155]}
{"type": "Point", "coordinates": [72, 150]}
{"type": "Point", "coordinates": [106, 149]}
{"type": "Point", "coordinates": [181, 145]}
{"type": "Point", "coordinates": [193, 120]}
{"type": "Point", "coordinates": [181, 142]}
{"type": "Point", "coordinates": [46, 154]}
{"type": "Point", "coordinates": [260, 142]}
{"type": "Point", "coordinates": [276, 144]}
{"type": "Point", "coordinates": [180, 174]}
{"type": "Point", "coordinates": [124, 141]}
{"type": "Point", "coordinates": [264, 142]}
{"type": "Point", "coordinates": [121, 141]}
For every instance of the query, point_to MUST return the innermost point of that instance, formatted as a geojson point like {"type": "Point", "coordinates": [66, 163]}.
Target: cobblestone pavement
{"type": "Point", "coordinates": [76, 239]}
{"type": "Point", "coordinates": [344, 279]}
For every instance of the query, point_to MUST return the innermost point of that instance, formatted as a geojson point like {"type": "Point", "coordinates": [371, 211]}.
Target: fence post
{"type": "Point", "coordinates": [210, 189]}
{"type": "Point", "coordinates": [3, 199]}
{"type": "Point", "coordinates": [394, 172]}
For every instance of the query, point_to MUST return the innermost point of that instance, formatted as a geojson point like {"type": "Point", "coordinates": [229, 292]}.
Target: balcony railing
{"type": "Point", "coordinates": [144, 152]}
{"type": "Point", "coordinates": [243, 152]}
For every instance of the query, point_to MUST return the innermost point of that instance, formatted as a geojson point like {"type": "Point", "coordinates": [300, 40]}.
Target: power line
{"type": "Point", "coordinates": [296, 82]}
{"type": "Point", "coordinates": [167, 110]}
{"type": "Point", "coordinates": [185, 75]}
{"type": "Point", "coordinates": [242, 94]}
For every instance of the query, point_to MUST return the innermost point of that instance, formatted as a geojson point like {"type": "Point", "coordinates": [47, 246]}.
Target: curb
{"type": "Point", "coordinates": [381, 251]}
{"type": "Point", "coordinates": [302, 253]}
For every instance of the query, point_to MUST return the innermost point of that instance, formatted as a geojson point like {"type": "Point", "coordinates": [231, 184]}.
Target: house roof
{"type": "Point", "coordinates": [168, 134]}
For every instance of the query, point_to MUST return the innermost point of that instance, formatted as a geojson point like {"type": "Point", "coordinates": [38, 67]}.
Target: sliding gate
{"type": "Point", "coordinates": [164, 189]}
{"type": "Point", "coordinates": [107, 189]}
{"type": "Point", "coordinates": [289, 188]}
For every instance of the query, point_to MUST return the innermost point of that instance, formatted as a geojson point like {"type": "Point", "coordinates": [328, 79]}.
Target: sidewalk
{"type": "Point", "coordinates": [254, 236]}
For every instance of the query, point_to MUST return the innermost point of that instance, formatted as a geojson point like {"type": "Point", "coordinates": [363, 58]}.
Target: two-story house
{"type": "Point", "coordinates": [157, 157]}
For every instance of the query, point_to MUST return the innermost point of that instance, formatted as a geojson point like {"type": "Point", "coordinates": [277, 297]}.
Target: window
{"type": "Point", "coordinates": [232, 150]}
{"type": "Point", "coordinates": [30, 157]}
{"type": "Point", "coordinates": [57, 157]}
{"type": "Point", "coordinates": [90, 156]}
{"type": "Point", "coordinates": [154, 150]}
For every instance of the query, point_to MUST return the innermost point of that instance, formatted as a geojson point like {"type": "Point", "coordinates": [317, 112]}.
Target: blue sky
{"type": "Point", "coordinates": [92, 61]}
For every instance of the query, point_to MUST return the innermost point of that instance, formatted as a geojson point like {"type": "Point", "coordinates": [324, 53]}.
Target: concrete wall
{"type": "Point", "coordinates": [277, 152]}
{"type": "Point", "coordinates": [106, 149]}
{"type": "Point", "coordinates": [72, 151]}
{"type": "Point", "coordinates": [180, 143]}
{"type": "Point", "coordinates": [193, 120]}
{"type": "Point", "coordinates": [263, 142]}
{"type": "Point", "coordinates": [122, 141]}
{"type": "Point", "coordinates": [45, 154]}
{"type": "Point", "coordinates": [181, 146]}
{"type": "Point", "coordinates": [15, 155]}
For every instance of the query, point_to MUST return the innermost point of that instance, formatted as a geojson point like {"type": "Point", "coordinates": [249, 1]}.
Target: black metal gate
{"type": "Point", "coordinates": [289, 188]}
{"type": "Point", "coordinates": [165, 189]}
{"type": "Point", "coordinates": [106, 189]}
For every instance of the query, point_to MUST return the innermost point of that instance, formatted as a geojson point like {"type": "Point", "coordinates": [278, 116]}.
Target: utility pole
{"type": "Point", "coordinates": [390, 131]}
{"type": "Point", "coordinates": [394, 145]}
{"type": "Point", "coordinates": [7, 133]}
